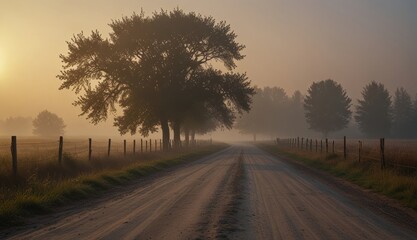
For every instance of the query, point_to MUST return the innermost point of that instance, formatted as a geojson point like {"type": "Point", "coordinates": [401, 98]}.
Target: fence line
{"type": "Point", "coordinates": [87, 149]}
{"type": "Point", "coordinates": [362, 150]}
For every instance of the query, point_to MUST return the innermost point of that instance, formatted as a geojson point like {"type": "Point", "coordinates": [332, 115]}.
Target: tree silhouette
{"type": "Point", "coordinates": [414, 128]}
{"type": "Point", "coordinates": [194, 126]}
{"type": "Point", "coordinates": [48, 124]}
{"type": "Point", "coordinates": [152, 68]}
{"type": "Point", "coordinates": [254, 122]}
{"type": "Point", "coordinates": [273, 113]}
{"type": "Point", "coordinates": [295, 122]}
{"type": "Point", "coordinates": [403, 114]}
{"type": "Point", "coordinates": [266, 115]}
{"type": "Point", "coordinates": [327, 107]}
{"type": "Point", "coordinates": [16, 126]}
{"type": "Point", "coordinates": [374, 111]}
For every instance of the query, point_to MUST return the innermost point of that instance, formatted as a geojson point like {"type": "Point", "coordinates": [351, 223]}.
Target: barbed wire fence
{"type": "Point", "coordinates": [36, 152]}
{"type": "Point", "coordinates": [393, 153]}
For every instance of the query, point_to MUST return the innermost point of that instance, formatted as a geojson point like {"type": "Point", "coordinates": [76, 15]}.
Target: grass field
{"type": "Point", "coordinates": [42, 186]}
{"type": "Point", "coordinates": [39, 157]}
{"type": "Point", "coordinates": [396, 182]}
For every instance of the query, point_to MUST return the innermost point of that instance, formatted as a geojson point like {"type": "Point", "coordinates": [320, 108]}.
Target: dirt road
{"type": "Point", "coordinates": [288, 203]}
{"type": "Point", "coordinates": [239, 193]}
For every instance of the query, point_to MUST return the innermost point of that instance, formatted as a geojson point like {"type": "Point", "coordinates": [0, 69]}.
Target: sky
{"type": "Point", "coordinates": [289, 43]}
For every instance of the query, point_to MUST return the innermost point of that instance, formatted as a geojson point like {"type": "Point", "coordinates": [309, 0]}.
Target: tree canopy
{"type": "Point", "coordinates": [327, 107]}
{"type": "Point", "coordinates": [274, 113]}
{"type": "Point", "coordinates": [374, 111]}
{"type": "Point", "coordinates": [403, 124]}
{"type": "Point", "coordinates": [16, 126]}
{"type": "Point", "coordinates": [48, 124]}
{"type": "Point", "coordinates": [414, 129]}
{"type": "Point", "coordinates": [157, 69]}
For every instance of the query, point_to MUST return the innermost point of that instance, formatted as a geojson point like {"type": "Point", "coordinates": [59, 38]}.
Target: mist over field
{"type": "Point", "coordinates": [220, 119]}
{"type": "Point", "coordinates": [288, 44]}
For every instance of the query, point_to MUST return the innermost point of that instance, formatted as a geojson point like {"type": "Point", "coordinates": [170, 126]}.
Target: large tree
{"type": "Point", "coordinates": [48, 124]}
{"type": "Point", "coordinates": [374, 111]}
{"type": "Point", "coordinates": [153, 67]}
{"type": "Point", "coordinates": [327, 107]}
{"type": "Point", "coordinates": [403, 123]}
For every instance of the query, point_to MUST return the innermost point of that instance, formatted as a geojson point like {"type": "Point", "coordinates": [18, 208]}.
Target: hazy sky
{"type": "Point", "coordinates": [289, 43]}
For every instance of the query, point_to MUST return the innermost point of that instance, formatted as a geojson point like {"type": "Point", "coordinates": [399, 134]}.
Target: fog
{"type": "Point", "coordinates": [289, 44]}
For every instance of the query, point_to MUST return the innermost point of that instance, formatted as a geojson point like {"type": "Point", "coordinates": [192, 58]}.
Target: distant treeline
{"type": "Point", "coordinates": [327, 109]}
{"type": "Point", "coordinates": [45, 124]}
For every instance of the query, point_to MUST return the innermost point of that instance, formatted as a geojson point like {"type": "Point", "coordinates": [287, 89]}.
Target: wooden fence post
{"type": "Point", "coordinates": [134, 146]}
{"type": "Point", "coordinates": [124, 147]}
{"type": "Point", "coordinates": [108, 148]}
{"type": "Point", "coordinates": [382, 146]}
{"type": "Point", "coordinates": [333, 147]}
{"type": "Point", "coordinates": [89, 148]}
{"type": "Point", "coordinates": [150, 145]}
{"type": "Point", "coordinates": [61, 145]}
{"type": "Point", "coordinates": [316, 146]}
{"type": "Point", "coordinates": [344, 147]}
{"type": "Point", "coordinates": [141, 145]}
{"type": "Point", "coordinates": [327, 146]}
{"type": "Point", "coordinates": [13, 149]}
{"type": "Point", "coordinates": [146, 145]}
{"type": "Point", "coordinates": [360, 150]}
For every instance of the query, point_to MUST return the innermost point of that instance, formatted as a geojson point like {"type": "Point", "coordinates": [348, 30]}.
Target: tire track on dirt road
{"type": "Point", "coordinates": [239, 193]}
{"type": "Point", "coordinates": [171, 207]}
{"type": "Point", "coordinates": [288, 203]}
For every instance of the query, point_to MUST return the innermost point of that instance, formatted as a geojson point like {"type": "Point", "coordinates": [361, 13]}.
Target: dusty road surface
{"type": "Point", "coordinates": [288, 203]}
{"type": "Point", "coordinates": [239, 193]}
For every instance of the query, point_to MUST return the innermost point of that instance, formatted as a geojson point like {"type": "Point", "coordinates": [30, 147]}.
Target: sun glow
{"type": "Point", "coordinates": [2, 62]}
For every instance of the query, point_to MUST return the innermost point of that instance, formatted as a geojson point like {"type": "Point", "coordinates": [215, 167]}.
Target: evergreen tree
{"type": "Point", "coordinates": [403, 114]}
{"type": "Point", "coordinates": [327, 107]}
{"type": "Point", "coordinates": [374, 111]}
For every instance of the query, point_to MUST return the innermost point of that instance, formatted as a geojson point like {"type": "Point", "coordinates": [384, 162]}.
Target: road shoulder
{"type": "Point", "coordinates": [378, 204]}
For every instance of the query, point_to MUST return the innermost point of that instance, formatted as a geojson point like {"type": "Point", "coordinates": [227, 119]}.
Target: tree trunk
{"type": "Point", "coordinates": [193, 137]}
{"type": "Point", "coordinates": [177, 134]}
{"type": "Point", "coordinates": [165, 135]}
